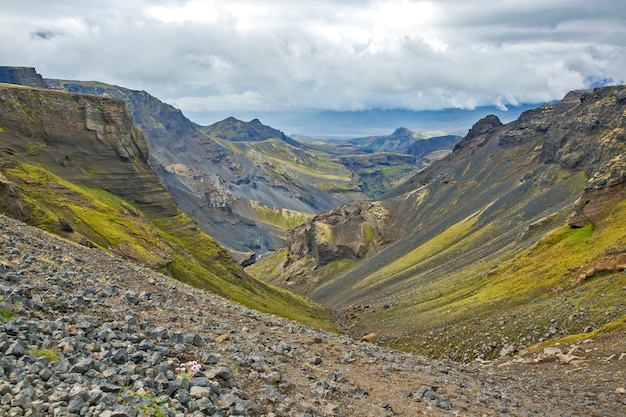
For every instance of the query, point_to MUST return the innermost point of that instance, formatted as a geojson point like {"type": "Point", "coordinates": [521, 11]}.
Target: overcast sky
{"type": "Point", "coordinates": [283, 55]}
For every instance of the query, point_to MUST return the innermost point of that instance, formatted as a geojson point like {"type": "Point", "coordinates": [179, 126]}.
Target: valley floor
{"type": "Point", "coordinates": [85, 333]}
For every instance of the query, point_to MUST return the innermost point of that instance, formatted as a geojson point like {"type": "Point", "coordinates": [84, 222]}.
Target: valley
{"type": "Point", "coordinates": [486, 251]}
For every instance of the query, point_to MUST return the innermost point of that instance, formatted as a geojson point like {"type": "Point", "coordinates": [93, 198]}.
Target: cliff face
{"type": "Point", "coordinates": [85, 139]}
{"type": "Point", "coordinates": [22, 76]}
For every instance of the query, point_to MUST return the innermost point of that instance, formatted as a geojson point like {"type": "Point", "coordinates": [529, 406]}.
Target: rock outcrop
{"type": "Point", "coordinates": [21, 75]}
{"type": "Point", "coordinates": [347, 232]}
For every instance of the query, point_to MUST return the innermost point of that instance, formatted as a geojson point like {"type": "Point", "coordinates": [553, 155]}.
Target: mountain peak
{"type": "Point", "coordinates": [402, 131]}
{"type": "Point", "coordinates": [236, 130]}
{"type": "Point", "coordinates": [481, 127]}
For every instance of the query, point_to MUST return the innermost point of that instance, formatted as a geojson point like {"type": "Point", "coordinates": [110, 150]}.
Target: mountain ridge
{"type": "Point", "coordinates": [237, 190]}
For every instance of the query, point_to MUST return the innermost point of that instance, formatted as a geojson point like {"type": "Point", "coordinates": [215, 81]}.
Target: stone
{"type": "Point", "coordinates": [17, 348]}
{"type": "Point", "coordinates": [82, 366]}
{"type": "Point", "coordinates": [132, 297]}
{"type": "Point", "coordinates": [199, 392]}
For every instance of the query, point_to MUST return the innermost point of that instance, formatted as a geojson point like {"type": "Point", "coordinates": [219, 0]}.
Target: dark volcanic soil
{"type": "Point", "coordinates": [120, 331]}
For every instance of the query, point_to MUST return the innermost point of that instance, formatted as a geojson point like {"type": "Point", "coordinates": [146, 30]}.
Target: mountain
{"type": "Point", "coordinates": [245, 183]}
{"type": "Point", "coordinates": [352, 124]}
{"type": "Point", "coordinates": [515, 237]}
{"type": "Point", "coordinates": [253, 131]}
{"type": "Point", "coordinates": [229, 177]}
{"type": "Point", "coordinates": [405, 141]}
{"type": "Point", "coordinates": [75, 165]}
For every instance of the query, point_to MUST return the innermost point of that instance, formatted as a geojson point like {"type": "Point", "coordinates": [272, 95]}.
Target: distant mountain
{"type": "Point", "coordinates": [405, 141]}
{"type": "Point", "coordinates": [515, 237]}
{"type": "Point", "coordinates": [239, 131]}
{"type": "Point", "coordinates": [374, 122]}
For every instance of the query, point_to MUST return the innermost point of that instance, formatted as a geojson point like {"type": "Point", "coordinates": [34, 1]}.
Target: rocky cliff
{"type": "Point", "coordinates": [21, 75]}
{"type": "Point", "coordinates": [87, 140]}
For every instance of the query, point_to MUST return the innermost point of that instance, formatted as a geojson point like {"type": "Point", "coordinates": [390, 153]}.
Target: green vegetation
{"type": "Point", "coordinates": [173, 245]}
{"type": "Point", "coordinates": [91, 171]}
{"type": "Point", "coordinates": [453, 239]}
{"type": "Point", "coordinates": [282, 219]}
{"type": "Point", "coordinates": [6, 315]}
{"type": "Point", "coordinates": [323, 233]}
{"type": "Point", "coordinates": [307, 165]}
{"type": "Point", "coordinates": [50, 353]}
{"type": "Point", "coordinates": [271, 269]}
{"type": "Point", "coordinates": [155, 406]}
{"type": "Point", "coordinates": [516, 295]}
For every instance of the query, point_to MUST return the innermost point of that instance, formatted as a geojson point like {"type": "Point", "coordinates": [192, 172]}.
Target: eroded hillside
{"type": "Point", "coordinates": [515, 237]}
{"type": "Point", "coordinates": [245, 183]}
{"type": "Point", "coordinates": [75, 165]}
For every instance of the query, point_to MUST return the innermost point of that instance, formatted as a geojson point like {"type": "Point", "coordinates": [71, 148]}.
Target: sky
{"type": "Point", "coordinates": [215, 58]}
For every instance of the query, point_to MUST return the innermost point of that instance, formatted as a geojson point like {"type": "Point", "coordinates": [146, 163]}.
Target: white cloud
{"type": "Point", "coordinates": [242, 55]}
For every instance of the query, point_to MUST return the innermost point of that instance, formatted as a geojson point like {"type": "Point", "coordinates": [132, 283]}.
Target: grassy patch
{"type": "Point", "coordinates": [173, 245]}
{"type": "Point", "coordinates": [6, 315]}
{"type": "Point", "coordinates": [50, 353]}
{"type": "Point", "coordinates": [281, 218]}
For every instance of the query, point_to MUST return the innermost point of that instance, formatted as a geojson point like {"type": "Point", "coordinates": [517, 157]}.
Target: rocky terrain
{"type": "Point", "coordinates": [514, 238]}
{"type": "Point", "coordinates": [87, 333]}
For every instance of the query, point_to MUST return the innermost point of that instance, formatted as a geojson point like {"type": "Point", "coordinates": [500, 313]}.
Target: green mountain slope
{"type": "Point", "coordinates": [515, 237]}
{"type": "Point", "coordinates": [74, 164]}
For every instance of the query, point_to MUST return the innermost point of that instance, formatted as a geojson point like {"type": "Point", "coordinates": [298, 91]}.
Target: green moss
{"type": "Point", "coordinates": [50, 353]}
{"type": "Point", "coordinates": [91, 171]}
{"type": "Point", "coordinates": [323, 233]}
{"type": "Point", "coordinates": [368, 233]}
{"type": "Point", "coordinates": [283, 219]}
{"type": "Point", "coordinates": [174, 245]}
{"type": "Point", "coordinates": [6, 315]}
{"type": "Point", "coordinates": [234, 147]}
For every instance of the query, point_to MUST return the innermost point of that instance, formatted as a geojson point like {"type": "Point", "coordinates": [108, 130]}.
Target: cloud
{"type": "Point", "coordinates": [245, 55]}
